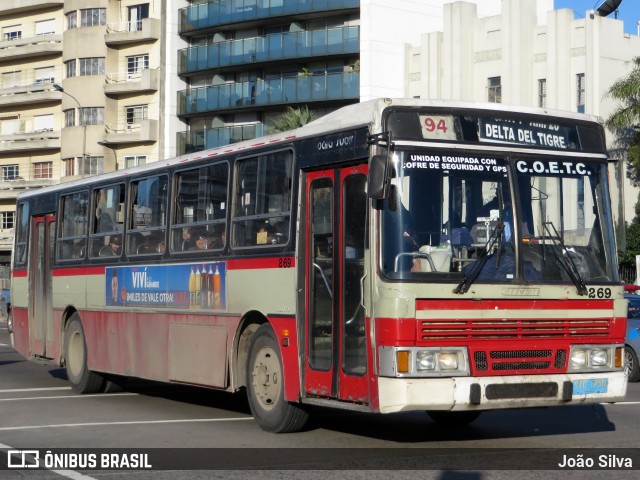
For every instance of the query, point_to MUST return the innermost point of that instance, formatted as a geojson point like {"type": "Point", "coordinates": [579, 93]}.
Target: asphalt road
{"type": "Point", "coordinates": [193, 433]}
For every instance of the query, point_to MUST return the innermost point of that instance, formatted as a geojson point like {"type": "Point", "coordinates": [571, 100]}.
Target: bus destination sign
{"type": "Point", "coordinates": [522, 132]}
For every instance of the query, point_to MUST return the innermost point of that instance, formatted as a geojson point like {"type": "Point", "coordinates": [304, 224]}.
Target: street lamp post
{"type": "Point", "coordinates": [83, 124]}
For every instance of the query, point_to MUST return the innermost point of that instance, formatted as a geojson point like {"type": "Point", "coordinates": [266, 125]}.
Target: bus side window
{"type": "Point", "coordinates": [262, 193]}
{"type": "Point", "coordinates": [107, 218]}
{"type": "Point", "coordinates": [201, 201]}
{"type": "Point", "coordinates": [73, 221]}
{"type": "Point", "coordinates": [147, 213]}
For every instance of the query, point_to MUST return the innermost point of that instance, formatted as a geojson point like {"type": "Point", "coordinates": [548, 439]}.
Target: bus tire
{"type": "Point", "coordinates": [265, 386]}
{"type": "Point", "coordinates": [449, 418]}
{"type": "Point", "coordinates": [631, 367]}
{"type": "Point", "coordinates": [10, 321]}
{"type": "Point", "coordinates": [81, 378]}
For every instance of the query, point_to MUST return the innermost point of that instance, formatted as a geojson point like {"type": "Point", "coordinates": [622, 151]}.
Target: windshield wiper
{"type": "Point", "coordinates": [495, 237]}
{"type": "Point", "coordinates": [566, 262]}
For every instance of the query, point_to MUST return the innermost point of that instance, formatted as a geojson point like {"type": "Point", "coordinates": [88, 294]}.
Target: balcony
{"type": "Point", "coordinates": [10, 7]}
{"type": "Point", "coordinates": [197, 140]}
{"type": "Point", "coordinates": [276, 47]}
{"type": "Point", "coordinates": [146, 131]}
{"type": "Point", "coordinates": [262, 93]}
{"type": "Point", "coordinates": [126, 82]}
{"type": "Point", "coordinates": [225, 12]}
{"type": "Point", "coordinates": [35, 92]}
{"type": "Point", "coordinates": [132, 32]}
{"type": "Point", "coordinates": [23, 141]}
{"type": "Point", "coordinates": [31, 47]}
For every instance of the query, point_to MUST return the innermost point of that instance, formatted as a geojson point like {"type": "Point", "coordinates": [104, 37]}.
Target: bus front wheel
{"type": "Point", "coordinates": [265, 386]}
{"type": "Point", "coordinates": [445, 417]}
{"type": "Point", "coordinates": [81, 378]}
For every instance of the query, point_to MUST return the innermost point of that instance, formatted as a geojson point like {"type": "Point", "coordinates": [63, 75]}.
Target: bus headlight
{"type": "Point", "coordinates": [423, 361]}
{"type": "Point", "coordinates": [589, 358]}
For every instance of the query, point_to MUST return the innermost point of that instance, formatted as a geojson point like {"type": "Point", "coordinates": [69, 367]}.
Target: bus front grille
{"type": "Point", "coordinates": [439, 329]}
{"type": "Point", "coordinates": [519, 360]}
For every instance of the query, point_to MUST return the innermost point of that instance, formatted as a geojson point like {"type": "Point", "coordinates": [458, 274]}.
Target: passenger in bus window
{"type": "Point", "coordinates": [200, 240]}
{"type": "Point", "coordinates": [113, 249]}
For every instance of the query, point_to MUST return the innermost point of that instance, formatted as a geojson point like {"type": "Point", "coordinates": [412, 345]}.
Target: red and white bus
{"type": "Point", "coordinates": [394, 255]}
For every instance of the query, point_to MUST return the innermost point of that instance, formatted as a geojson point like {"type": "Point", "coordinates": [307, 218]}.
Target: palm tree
{"type": "Point", "coordinates": [625, 120]}
{"type": "Point", "coordinates": [292, 118]}
{"type": "Point", "coordinates": [625, 124]}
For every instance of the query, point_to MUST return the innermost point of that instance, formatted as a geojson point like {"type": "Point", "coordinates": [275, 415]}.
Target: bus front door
{"type": "Point", "coordinates": [40, 306]}
{"type": "Point", "coordinates": [336, 343]}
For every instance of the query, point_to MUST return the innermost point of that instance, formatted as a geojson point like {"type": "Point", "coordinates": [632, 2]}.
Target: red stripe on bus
{"type": "Point", "coordinates": [258, 263]}
{"type": "Point", "coordinates": [78, 271]}
{"type": "Point", "coordinates": [20, 274]}
{"type": "Point", "coordinates": [514, 304]}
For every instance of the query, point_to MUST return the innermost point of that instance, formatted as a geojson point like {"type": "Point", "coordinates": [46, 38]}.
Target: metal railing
{"type": "Point", "coordinates": [300, 89]}
{"type": "Point", "coordinates": [197, 140]}
{"type": "Point", "coordinates": [279, 46]}
{"type": "Point", "coordinates": [221, 12]}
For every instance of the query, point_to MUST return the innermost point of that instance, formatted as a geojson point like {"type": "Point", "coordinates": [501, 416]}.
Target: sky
{"type": "Point", "coordinates": [628, 11]}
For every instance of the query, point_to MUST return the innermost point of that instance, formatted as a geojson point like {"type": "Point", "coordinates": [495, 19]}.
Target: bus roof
{"type": "Point", "coordinates": [363, 114]}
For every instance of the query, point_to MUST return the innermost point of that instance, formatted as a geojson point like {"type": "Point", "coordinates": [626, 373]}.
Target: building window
{"type": "Point", "coordinates": [91, 66]}
{"type": "Point", "coordinates": [70, 68]}
{"type": "Point", "coordinates": [136, 64]}
{"type": "Point", "coordinates": [46, 27]}
{"type": "Point", "coordinates": [92, 116]}
{"type": "Point", "coordinates": [494, 90]}
{"type": "Point", "coordinates": [10, 172]}
{"type": "Point", "coordinates": [580, 90]}
{"type": "Point", "coordinates": [11, 79]}
{"type": "Point", "coordinates": [69, 166]}
{"type": "Point", "coordinates": [43, 170]}
{"type": "Point", "coordinates": [542, 92]}
{"type": "Point", "coordinates": [72, 20]}
{"type": "Point", "coordinates": [12, 33]}
{"type": "Point", "coordinates": [7, 219]}
{"type": "Point", "coordinates": [70, 117]}
{"type": "Point", "coordinates": [43, 123]}
{"type": "Point", "coordinates": [136, 14]}
{"type": "Point", "coordinates": [91, 17]}
{"type": "Point", "coordinates": [45, 75]}
{"type": "Point", "coordinates": [10, 125]}
{"type": "Point", "coordinates": [92, 165]}
{"type": "Point", "coordinates": [131, 161]}
{"type": "Point", "coordinates": [136, 114]}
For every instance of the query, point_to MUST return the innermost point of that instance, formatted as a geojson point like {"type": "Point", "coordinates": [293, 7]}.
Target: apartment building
{"type": "Point", "coordinates": [30, 114]}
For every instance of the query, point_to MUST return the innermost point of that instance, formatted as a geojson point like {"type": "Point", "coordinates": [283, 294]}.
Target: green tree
{"type": "Point", "coordinates": [624, 122]}
{"type": "Point", "coordinates": [292, 118]}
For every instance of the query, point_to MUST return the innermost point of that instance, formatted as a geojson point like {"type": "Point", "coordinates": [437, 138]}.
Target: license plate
{"type": "Point", "coordinates": [590, 385]}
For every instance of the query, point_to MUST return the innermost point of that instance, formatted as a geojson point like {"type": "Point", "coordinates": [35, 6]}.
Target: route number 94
{"type": "Point", "coordinates": [599, 292]}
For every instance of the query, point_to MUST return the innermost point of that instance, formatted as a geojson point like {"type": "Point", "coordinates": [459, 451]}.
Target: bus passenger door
{"type": "Point", "coordinates": [336, 343]}
{"type": "Point", "coordinates": [40, 305]}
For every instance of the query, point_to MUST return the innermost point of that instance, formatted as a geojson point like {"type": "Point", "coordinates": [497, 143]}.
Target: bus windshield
{"type": "Point", "coordinates": [453, 216]}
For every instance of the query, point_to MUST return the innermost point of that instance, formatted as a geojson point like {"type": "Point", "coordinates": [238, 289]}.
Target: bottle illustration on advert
{"type": "Point", "coordinates": [216, 289]}
{"type": "Point", "coordinates": [192, 287]}
{"type": "Point", "coordinates": [198, 287]}
{"type": "Point", "coordinates": [204, 288]}
{"type": "Point", "coordinates": [210, 293]}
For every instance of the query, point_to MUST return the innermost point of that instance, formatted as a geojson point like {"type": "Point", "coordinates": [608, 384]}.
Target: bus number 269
{"type": "Point", "coordinates": [285, 262]}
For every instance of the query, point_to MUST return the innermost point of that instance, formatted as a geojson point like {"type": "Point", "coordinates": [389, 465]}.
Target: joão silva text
{"type": "Point", "coordinates": [604, 461]}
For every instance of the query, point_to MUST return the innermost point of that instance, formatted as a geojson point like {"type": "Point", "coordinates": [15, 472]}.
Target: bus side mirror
{"type": "Point", "coordinates": [379, 176]}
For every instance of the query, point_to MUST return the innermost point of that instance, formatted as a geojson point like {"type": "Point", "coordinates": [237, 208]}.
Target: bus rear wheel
{"type": "Point", "coordinates": [265, 386]}
{"type": "Point", "coordinates": [81, 378]}
{"type": "Point", "coordinates": [446, 417]}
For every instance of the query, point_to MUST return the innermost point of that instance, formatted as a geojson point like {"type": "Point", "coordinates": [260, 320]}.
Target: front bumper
{"type": "Point", "coordinates": [486, 393]}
